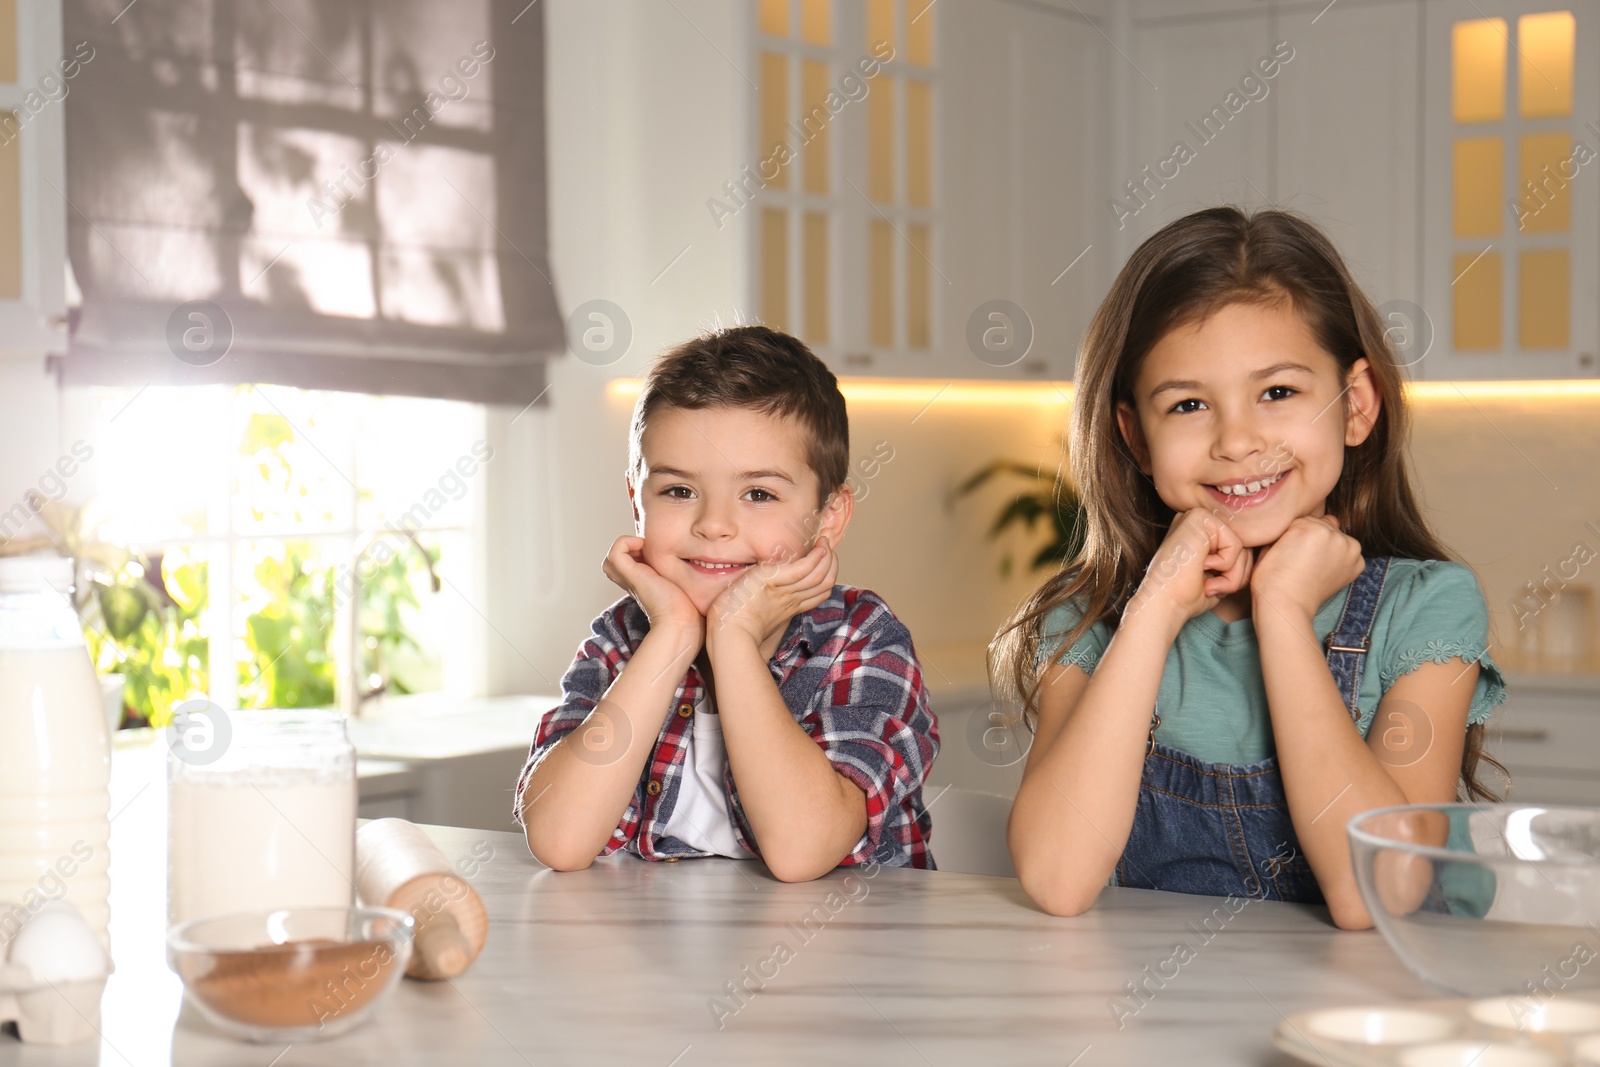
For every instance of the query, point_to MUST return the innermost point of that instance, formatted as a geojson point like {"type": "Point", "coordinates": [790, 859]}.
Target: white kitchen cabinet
{"type": "Point", "coordinates": [1332, 135]}
{"type": "Point", "coordinates": [435, 759]}
{"type": "Point", "coordinates": [33, 209]}
{"type": "Point", "coordinates": [1359, 134]}
{"type": "Point", "coordinates": [1550, 742]}
{"type": "Point", "coordinates": [1348, 158]}
{"type": "Point", "coordinates": [1451, 264]}
{"type": "Point", "coordinates": [1020, 105]}
{"type": "Point", "coordinates": [981, 749]}
{"type": "Point", "coordinates": [1200, 139]}
{"type": "Point", "coordinates": [1548, 739]}
{"type": "Point", "coordinates": [386, 789]}
{"type": "Point", "coordinates": [1054, 139]}
{"type": "Point", "coordinates": [1024, 160]}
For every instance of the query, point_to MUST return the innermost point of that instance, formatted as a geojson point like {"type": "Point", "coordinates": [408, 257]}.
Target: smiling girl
{"type": "Point", "coordinates": [1257, 588]}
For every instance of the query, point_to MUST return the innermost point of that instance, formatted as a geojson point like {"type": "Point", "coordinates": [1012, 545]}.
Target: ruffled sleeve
{"type": "Point", "coordinates": [1085, 652]}
{"type": "Point", "coordinates": [1440, 615]}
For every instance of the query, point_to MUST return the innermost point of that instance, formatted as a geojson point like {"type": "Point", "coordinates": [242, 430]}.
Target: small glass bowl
{"type": "Point", "coordinates": [1485, 899]}
{"type": "Point", "coordinates": [293, 974]}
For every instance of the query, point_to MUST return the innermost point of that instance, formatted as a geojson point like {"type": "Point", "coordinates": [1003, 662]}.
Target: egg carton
{"type": "Point", "coordinates": [49, 1012]}
{"type": "Point", "coordinates": [59, 1013]}
{"type": "Point", "coordinates": [1536, 1030]}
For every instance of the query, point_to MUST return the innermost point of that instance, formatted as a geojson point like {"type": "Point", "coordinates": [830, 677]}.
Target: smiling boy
{"type": "Point", "coordinates": [765, 711]}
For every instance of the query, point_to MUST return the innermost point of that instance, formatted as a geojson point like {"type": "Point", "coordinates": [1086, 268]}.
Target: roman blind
{"type": "Point", "coordinates": [330, 194]}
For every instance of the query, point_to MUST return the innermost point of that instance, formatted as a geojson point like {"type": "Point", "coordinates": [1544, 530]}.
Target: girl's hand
{"type": "Point", "coordinates": [1312, 561]}
{"type": "Point", "coordinates": [1200, 561]}
{"type": "Point", "coordinates": [666, 605]}
{"type": "Point", "coordinates": [761, 602]}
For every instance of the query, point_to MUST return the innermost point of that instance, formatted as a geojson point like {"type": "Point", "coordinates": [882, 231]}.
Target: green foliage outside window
{"type": "Point", "coordinates": [149, 630]}
{"type": "Point", "coordinates": [144, 613]}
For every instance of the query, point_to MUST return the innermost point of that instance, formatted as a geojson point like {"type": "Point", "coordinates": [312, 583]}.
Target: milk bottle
{"type": "Point", "coordinates": [55, 753]}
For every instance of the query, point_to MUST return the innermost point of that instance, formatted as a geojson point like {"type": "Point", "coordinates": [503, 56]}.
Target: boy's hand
{"type": "Point", "coordinates": [1311, 561]}
{"type": "Point", "coordinates": [664, 603]}
{"type": "Point", "coordinates": [761, 601]}
{"type": "Point", "coordinates": [1200, 561]}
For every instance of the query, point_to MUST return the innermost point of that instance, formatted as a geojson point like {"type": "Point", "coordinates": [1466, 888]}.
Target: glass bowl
{"type": "Point", "coordinates": [293, 974]}
{"type": "Point", "coordinates": [1485, 899]}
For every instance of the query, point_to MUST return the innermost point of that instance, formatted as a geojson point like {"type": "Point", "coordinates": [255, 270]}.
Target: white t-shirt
{"type": "Point", "coordinates": [700, 817]}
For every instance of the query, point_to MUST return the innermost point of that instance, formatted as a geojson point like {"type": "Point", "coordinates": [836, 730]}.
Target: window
{"type": "Point", "coordinates": [1513, 159]}
{"type": "Point", "coordinates": [847, 203]}
{"type": "Point", "coordinates": [271, 513]}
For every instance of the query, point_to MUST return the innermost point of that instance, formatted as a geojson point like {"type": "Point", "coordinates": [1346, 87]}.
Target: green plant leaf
{"type": "Point", "coordinates": [265, 432]}
{"type": "Point", "coordinates": [123, 607]}
{"type": "Point", "coordinates": [290, 636]}
{"type": "Point", "coordinates": [1047, 499]}
{"type": "Point", "coordinates": [999, 466]}
{"type": "Point", "coordinates": [1025, 509]}
{"type": "Point", "coordinates": [186, 584]}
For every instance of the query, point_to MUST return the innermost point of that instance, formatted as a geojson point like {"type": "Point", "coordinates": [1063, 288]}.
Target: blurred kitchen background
{"type": "Point", "coordinates": [323, 320]}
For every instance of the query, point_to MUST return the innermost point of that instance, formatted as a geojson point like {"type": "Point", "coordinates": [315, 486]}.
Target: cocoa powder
{"type": "Point", "coordinates": [294, 985]}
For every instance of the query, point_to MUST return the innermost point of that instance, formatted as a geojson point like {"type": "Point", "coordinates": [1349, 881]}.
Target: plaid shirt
{"type": "Point", "coordinates": [849, 676]}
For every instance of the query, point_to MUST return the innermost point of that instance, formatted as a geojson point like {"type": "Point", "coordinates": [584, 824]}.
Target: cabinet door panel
{"type": "Point", "coordinates": [1203, 134]}
{"type": "Point", "coordinates": [32, 182]}
{"type": "Point", "coordinates": [1348, 158]}
{"type": "Point", "coordinates": [1026, 109]}
{"type": "Point", "coordinates": [1536, 787]}
{"type": "Point", "coordinates": [1489, 282]}
{"type": "Point", "coordinates": [1548, 733]}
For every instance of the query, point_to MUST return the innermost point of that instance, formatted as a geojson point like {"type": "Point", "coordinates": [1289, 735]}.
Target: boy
{"type": "Point", "coordinates": [765, 711]}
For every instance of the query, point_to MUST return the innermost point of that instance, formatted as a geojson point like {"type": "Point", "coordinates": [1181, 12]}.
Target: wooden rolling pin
{"type": "Point", "coordinates": [397, 866]}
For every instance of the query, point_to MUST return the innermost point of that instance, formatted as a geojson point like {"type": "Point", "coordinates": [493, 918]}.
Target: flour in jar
{"type": "Point", "coordinates": [260, 839]}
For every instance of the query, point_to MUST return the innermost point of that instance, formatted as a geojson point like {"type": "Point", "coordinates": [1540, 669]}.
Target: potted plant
{"type": "Point", "coordinates": [1041, 498]}
{"type": "Point", "coordinates": [140, 613]}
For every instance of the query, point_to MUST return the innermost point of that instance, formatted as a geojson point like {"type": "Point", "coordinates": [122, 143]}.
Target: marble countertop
{"type": "Point", "coordinates": [639, 962]}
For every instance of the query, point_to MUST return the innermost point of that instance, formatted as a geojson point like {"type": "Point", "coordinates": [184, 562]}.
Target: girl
{"type": "Point", "coordinates": [1257, 587]}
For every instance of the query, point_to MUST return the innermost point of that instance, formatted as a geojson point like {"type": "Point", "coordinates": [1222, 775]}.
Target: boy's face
{"type": "Point", "coordinates": [723, 489]}
{"type": "Point", "coordinates": [1247, 397]}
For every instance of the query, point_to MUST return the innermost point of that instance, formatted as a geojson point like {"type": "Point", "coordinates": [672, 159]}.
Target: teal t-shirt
{"type": "Point", "coordinates": [1213, 701]}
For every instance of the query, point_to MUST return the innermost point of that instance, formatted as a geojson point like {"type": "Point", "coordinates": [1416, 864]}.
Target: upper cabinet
{"type": "Point", "coordinates": [35, 77]}
{"type": "Point", "coordinates": [1346, 152]}
{"type": "Point", "coordinates": [1511, 147]}
{"type": "Point", "coordinates": [846, 224]}
{"type": "Point", "coordinates": [928, 180]}
{"type": "Point", "coordinates": [1025, 168]}
{"type": "Point", "coordinates": [1203, 92]}
{"type": "Point", "coordinates": [959, 209]}
{"type": "Point", "coordinates": [1311, 109]}
{"type": "Point", "coordinates": [1445, 146]}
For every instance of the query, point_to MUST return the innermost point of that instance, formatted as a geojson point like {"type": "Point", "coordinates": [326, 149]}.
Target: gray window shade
{"type": "Point", "coordinates": [358, 186]}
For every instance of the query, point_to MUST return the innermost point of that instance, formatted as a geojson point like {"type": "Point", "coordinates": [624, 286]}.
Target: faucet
{"type": "Point", "coordinates": [357, 691]}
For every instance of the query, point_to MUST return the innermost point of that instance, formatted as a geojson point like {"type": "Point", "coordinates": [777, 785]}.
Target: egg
{"type": "Point", "coordinates": [57, 945]}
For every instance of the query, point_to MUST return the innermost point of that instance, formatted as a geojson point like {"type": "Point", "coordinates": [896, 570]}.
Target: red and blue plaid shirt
{"type": "Point", "coordinates": [848, 673]}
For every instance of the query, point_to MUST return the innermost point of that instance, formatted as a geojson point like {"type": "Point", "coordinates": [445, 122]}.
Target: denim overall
{"type": "Point", "coordinates": [1224, 829]}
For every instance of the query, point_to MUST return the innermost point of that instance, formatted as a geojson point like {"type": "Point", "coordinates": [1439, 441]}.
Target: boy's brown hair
{"type": "Point", "coordinates": [758, 369]}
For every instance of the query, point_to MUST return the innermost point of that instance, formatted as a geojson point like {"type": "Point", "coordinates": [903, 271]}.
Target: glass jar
{"type": "Point", "coordinates": [262, 811]}
{"type": "Point", "coordinates": [55, 751]}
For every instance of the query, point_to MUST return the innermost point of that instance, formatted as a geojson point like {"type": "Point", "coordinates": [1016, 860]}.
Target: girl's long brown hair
{"type": "Point", "coordinates": [1183, 274]}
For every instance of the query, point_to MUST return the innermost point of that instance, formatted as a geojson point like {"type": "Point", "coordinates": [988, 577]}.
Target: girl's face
{"type": "Point", "coordinates": [1245, 415]}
